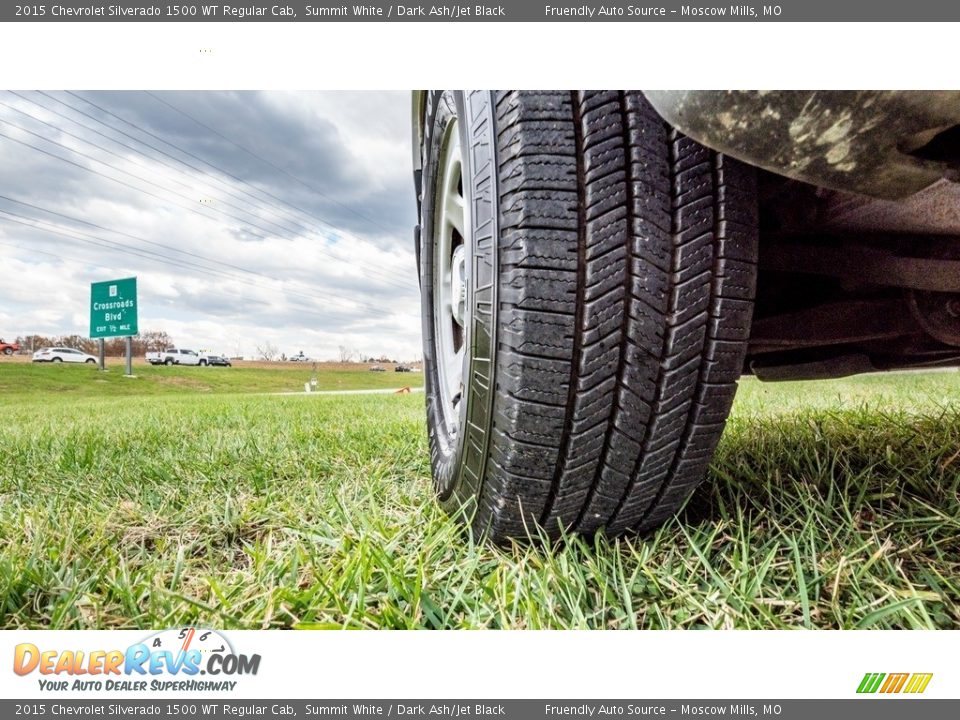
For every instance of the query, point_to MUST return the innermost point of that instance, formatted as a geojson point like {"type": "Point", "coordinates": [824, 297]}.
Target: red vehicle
{"type": "Point", "coordinates": [9, 348]}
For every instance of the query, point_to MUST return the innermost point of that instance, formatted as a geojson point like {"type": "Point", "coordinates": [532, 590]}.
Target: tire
{"type": "Point", "coordinates": [90, 362]}
{"type": "Point", "coordinates": [202, 363]}
{"type": "Point", "coordinates": [57, 360]}
{"type": "Point", "coordinates": [610, 269]}
{"type": "Point", "coordinates": [8, 351]}
{"type": "Point", "coordinates": [168, 361]}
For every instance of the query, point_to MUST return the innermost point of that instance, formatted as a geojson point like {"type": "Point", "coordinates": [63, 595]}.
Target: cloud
{"type": "Point", "coordinates": [247, 217]}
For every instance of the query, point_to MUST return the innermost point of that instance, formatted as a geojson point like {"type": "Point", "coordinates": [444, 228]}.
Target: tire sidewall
{"type": "Point", "coordinates": [459, 462]}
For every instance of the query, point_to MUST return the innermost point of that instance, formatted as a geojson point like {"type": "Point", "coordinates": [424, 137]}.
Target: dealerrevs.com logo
{"type": "Point", "coordinates": [184, 659]}
{"type": "Point", "coordinates": [892, 683]}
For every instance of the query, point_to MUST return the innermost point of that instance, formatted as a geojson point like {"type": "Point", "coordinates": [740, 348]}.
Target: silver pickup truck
{"type": "Point", "coordinates": [598, 268]}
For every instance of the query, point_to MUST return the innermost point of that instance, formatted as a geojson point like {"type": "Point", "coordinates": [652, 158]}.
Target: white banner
{"type": "Point", "coordinates": [458, 664]}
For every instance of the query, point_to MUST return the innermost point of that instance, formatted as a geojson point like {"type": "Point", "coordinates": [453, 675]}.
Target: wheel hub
{"type": "Point", "coordinates": [450, 277]}
{"type": "Point", "coordinates": [458, 285]}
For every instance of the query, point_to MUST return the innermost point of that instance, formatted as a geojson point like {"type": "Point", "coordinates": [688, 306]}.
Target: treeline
{"type": "Point", "coordinates": [148, 341]}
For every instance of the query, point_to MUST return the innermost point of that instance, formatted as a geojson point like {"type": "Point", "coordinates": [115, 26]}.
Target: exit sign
{"type": "Point", "coordinates": [113, 308]}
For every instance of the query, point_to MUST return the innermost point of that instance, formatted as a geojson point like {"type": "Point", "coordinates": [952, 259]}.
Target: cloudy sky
{"type": "Point", "coordinates": [247, 217]}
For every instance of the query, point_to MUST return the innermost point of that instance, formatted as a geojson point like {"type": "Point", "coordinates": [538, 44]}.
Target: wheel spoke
{"type": "Point", "coordinates": [454, 372]}
{"type": "Point", "coordinates": [455, 211]}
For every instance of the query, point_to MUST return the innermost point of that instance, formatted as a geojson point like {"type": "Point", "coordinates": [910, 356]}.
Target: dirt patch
{"type": "Point", "coordinates": [280, 365]}
{"type": "Point", "coordinates": [184, 382]}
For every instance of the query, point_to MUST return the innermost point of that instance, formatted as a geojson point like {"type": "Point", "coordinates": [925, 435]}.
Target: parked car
{"type": "Point", "coordinates": [9, 348]}
{"type": "Point", "coordinates": [402, 368]}
{"type": "Point", "coordinates": [62, 354]}
{"type": "Point", "coordinates": [377, 368]}
{"type": "Point", "coordinates": [300, 358]}
{"type": "Point", "coordinates": [175, 356]}
{"type": "Point", "coordinates": [627, 256]}
{"type": "Point", "coordinates": [208, 358]}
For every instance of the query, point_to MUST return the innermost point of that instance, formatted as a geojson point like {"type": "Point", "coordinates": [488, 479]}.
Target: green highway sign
{"type": "Point", "coordinates": [113, 308]}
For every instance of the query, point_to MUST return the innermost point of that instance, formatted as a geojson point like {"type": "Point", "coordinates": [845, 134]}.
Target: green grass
{"type": "Point", "coordinates": [43, 379]}
{"type": "Point", "coordinates": [833, 504]}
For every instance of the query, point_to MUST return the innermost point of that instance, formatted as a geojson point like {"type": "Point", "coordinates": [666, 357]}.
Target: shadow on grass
{"type": "Point", "coordinates": [852, 464]}
{"type": "Point", "coordinates": [847, 519]}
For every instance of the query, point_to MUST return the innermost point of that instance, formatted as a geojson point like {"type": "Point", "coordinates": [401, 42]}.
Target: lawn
{"type": "Point", "coordinates": [43, 380]}
{"type": "Point", "coordinates": [831, 504]}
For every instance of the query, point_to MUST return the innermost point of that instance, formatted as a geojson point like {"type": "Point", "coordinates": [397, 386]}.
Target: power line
{"type": "Point", "coordinates": [59, 256]}
{"type": "Point", "coordinates": [397, 282]}
{"type": "Point", "coordinates": [124, 158]}
{"type": "Point", "coordinates": [139, 239]}
{"type": "Point", "coordinates": [182, 263]}
{"type": "Point", "coordinates": [227, 191]}
{"type": "Point", "coordinates": [263, 160]}
{"type": "Point", "coordinates": [287, 203]}
{"type": "Point", "coordinates": [165, 259]}
{"type": "Point", "coordinates": [61, 129]}
{"type": "Point", "coordinates": [385, 278]}
{"type": "Point", "coordinates": [157, 257]}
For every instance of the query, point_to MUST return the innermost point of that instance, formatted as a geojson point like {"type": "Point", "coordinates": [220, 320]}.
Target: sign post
{"type": "Point", "coordinates": [113, 313]}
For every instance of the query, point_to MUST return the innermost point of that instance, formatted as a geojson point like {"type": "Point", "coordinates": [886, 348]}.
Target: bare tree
{"type": "Point", "coordinates": [153, 340]}
{"type": "Point", "coordinates": [267, 351]}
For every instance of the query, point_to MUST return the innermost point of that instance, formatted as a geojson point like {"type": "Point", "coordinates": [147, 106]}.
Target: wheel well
{"type": "Point", "coordinates": [841, 292]}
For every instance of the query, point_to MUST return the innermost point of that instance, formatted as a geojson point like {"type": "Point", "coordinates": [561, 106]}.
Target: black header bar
{"type": "Point", "coordinates": [508, 10]}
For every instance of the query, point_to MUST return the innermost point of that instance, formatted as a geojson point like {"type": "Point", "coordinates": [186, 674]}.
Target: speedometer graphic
{"type": "Point", "coordinates": [181, 640]}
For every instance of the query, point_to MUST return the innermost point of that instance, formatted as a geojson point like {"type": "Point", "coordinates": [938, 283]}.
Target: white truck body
{"type": "Point", "coordinates": [174, 356]}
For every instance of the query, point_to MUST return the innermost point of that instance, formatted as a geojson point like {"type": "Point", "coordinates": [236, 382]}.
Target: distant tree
{"type": "Point", "coordinates": [114, 347]}
{"type": "Point", "coordinates": [153, 340]}
{"type": "Point", "coordinates": [146, 341]}
{"type": "Point", "coordinates": [267, 351]}
{"type": "Point", "coordinates": [30, 343]}
{"type": "Point", "coordinates": [77, 342]}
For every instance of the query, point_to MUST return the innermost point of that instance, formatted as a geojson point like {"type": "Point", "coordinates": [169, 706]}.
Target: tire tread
{"type": "Point", "coordinates": [626, 277]}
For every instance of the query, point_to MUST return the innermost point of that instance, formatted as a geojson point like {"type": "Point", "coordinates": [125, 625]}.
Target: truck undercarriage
{"type": "Point", "coordinates": [849, 284]}
{"type": "Point", "coordinates": [859, 242]}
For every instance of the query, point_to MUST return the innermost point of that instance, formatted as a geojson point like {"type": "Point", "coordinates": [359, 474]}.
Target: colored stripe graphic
{"type": "Point", "coordinates": [894, 683]}
{"type": "Point", "coordinates": [918, 682]}
{"type": "Point", "coordinates": [870, 682]}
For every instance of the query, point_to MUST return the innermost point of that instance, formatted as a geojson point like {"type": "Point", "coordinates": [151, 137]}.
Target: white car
{"type": "Point", "coordinates": [62, 354]}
